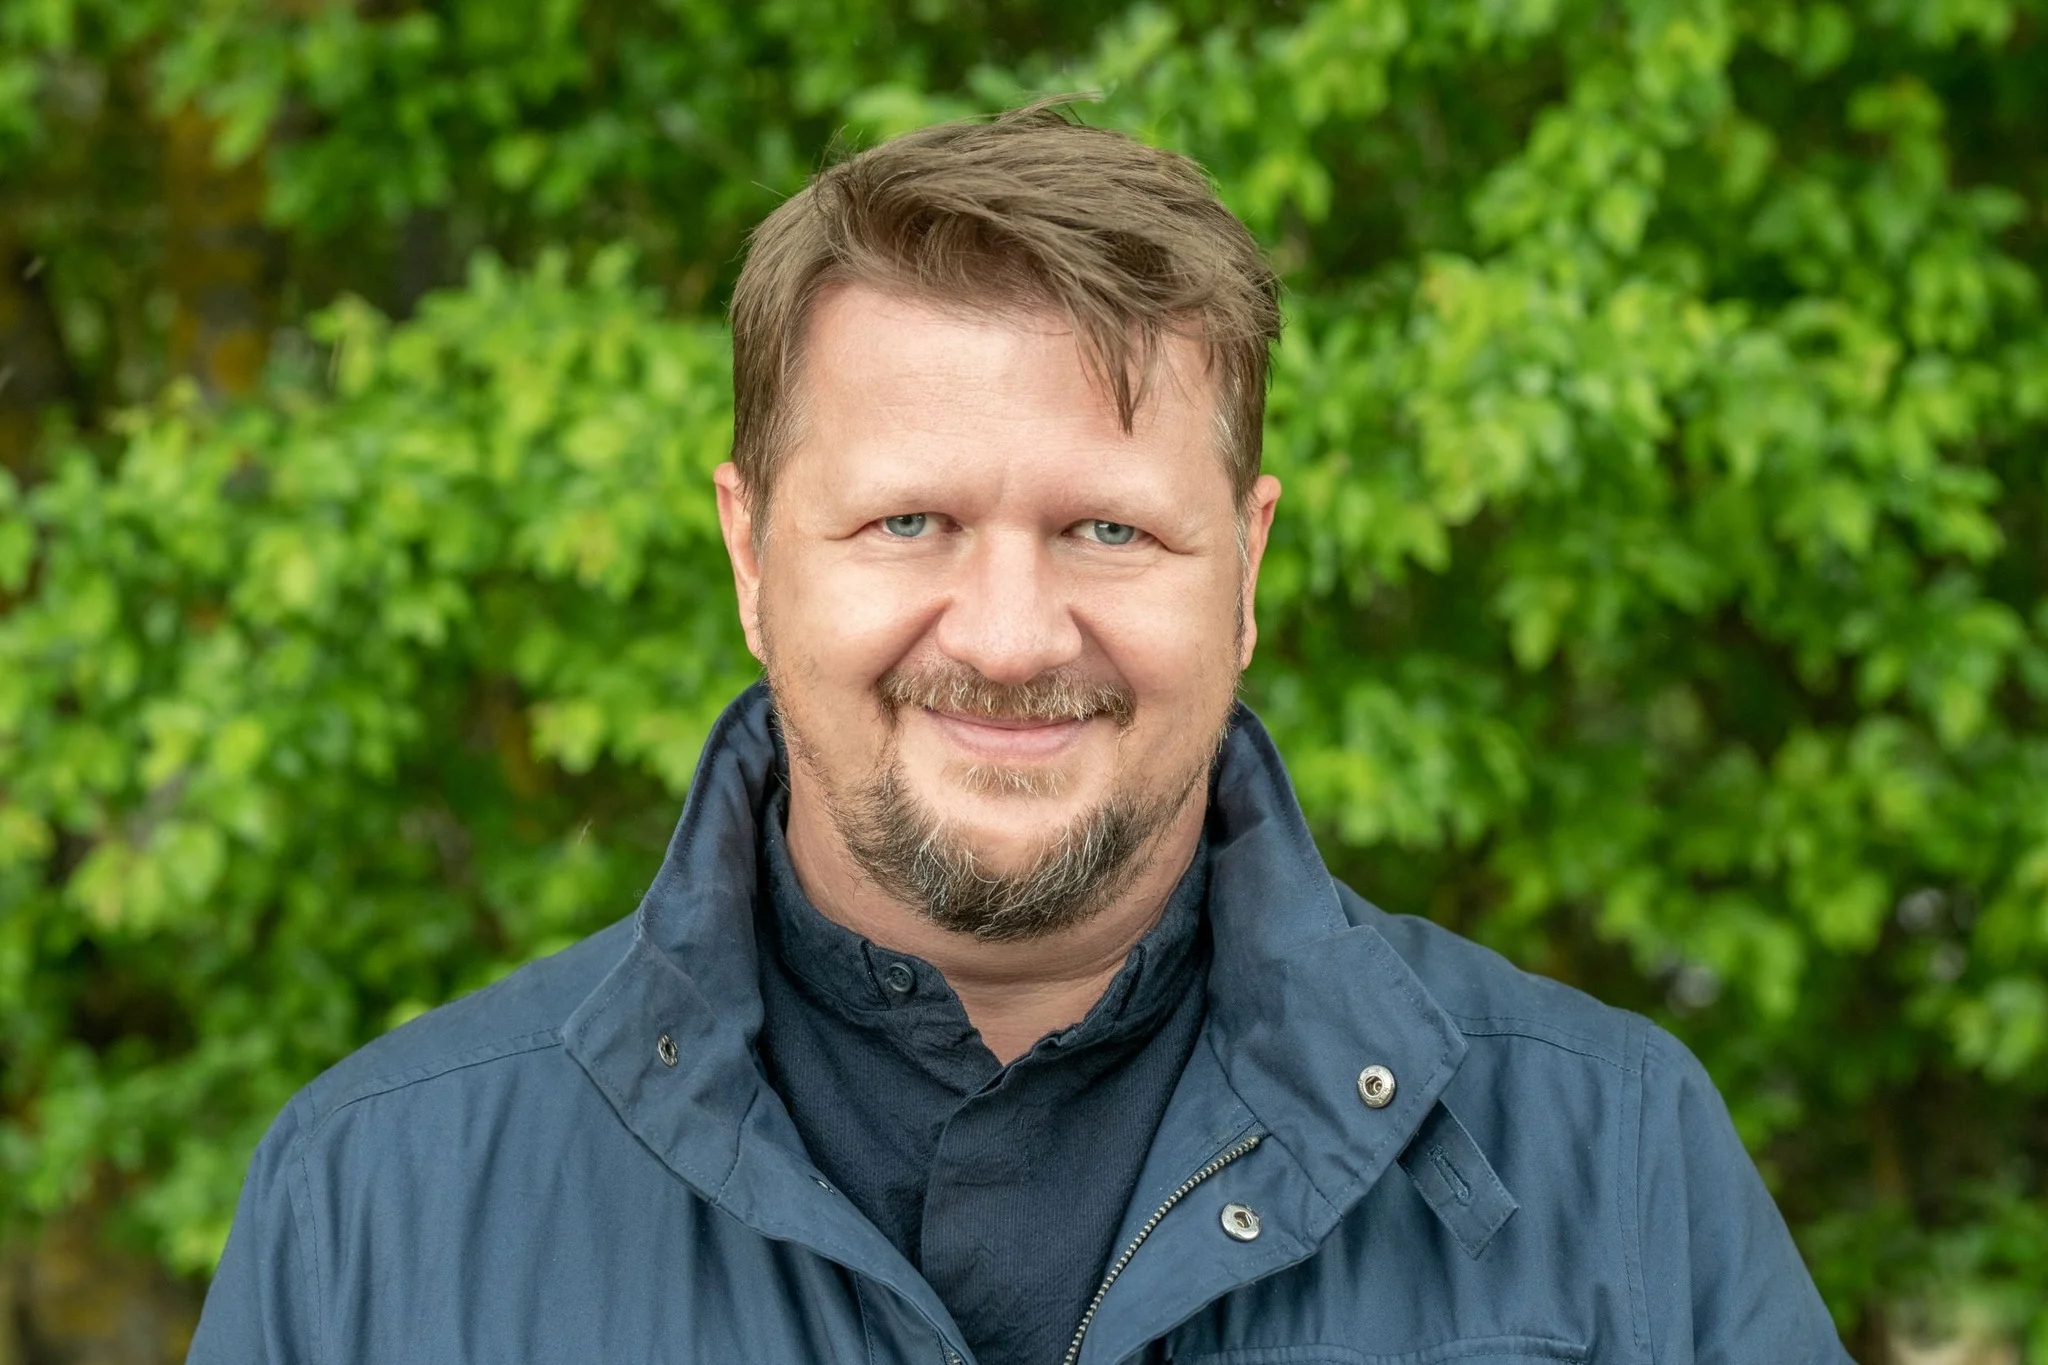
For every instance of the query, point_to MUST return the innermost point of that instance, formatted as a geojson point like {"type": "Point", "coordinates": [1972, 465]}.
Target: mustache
{"type": "Point", "coordinates": [1056, 695]}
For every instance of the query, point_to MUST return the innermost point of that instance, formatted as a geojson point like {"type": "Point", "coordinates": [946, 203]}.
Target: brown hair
{"type": "Point", "coordinates": [1031, 210]}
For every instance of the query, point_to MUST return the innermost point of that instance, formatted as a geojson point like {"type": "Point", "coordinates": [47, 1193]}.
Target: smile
{"type": "Point", "coordinates": [1001, 740]}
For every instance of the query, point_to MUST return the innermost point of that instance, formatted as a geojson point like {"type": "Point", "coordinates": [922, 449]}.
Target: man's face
{"type": "Point", "coordinates": [996, 626]}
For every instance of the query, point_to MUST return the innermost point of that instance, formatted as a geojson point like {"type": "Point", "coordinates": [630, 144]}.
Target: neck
{"type": "Point", "coordinates": [1014, 993]}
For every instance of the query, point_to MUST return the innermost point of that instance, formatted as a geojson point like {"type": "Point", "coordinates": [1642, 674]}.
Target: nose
{"type": "Point", "coordinates": [1008, 616]}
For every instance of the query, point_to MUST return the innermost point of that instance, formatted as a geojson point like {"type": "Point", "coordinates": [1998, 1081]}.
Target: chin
{"type": "Point", "coordinates": [1008, 849]}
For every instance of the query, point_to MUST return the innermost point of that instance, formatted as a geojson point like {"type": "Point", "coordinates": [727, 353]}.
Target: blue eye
{"type": "Point", "coordinates": [909, 526]}
{"type": "Point", "coordinates": [1112, 532]}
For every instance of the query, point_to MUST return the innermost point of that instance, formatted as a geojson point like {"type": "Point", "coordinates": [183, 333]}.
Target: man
{"type": "Point", "coordinates": [993, 1002]}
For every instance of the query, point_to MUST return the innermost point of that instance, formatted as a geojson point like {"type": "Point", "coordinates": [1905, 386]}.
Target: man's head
{"type": "Point", "coordinates": [994, 508]}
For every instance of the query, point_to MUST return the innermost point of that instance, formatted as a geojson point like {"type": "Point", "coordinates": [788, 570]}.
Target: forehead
{"type": "Point", "coordinates": [888, 362]}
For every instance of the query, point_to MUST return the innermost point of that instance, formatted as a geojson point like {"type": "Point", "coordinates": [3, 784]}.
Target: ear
{"type": "Point", "coordinates": [736, 524]}
{"type": "Point", "coordinates": [1258, 525]}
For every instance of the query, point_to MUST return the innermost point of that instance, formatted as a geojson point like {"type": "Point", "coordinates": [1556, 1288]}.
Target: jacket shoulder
{"type": "Point", "coordinates": [1487, 995]}
{"type": "Point", "coordinates": [524, 1012]}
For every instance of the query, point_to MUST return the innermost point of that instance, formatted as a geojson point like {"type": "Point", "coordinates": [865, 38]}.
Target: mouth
{"type": "Point", "coordinates": [1005, 739]}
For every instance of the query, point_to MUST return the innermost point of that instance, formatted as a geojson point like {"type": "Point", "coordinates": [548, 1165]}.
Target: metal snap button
{"type": "Point", "coordinates": [1240, 1222]}
{"type": "Point", "coordinates": [665, 1048]}
{"type": "Point", "coordinates": [900, 978]}
{"type": "Point", "coordinates": [1376, 1087]}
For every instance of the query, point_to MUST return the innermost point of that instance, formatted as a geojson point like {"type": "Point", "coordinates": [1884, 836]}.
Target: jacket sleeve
{"type": "Point", "coordinates": [1724, 1283]}
{"type": "Point", "coordinates": [261, 1308]}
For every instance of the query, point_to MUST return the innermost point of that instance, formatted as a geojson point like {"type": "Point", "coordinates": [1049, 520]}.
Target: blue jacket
{"type": "Point", "coordinates": [583, 1163]}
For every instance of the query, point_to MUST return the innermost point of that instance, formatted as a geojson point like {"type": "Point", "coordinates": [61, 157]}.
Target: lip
{"type": "Point", "coordinates": [1008, 741]}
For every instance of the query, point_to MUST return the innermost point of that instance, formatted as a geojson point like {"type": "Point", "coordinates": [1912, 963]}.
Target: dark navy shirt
{"type": "Point", "coordinates": [1003, 1185]}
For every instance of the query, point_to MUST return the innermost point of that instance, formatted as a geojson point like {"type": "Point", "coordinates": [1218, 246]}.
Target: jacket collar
{"type": "Point", "coordinates": [668, 1036]}
{"type": "Point", "coordinates": [1300, 1001]}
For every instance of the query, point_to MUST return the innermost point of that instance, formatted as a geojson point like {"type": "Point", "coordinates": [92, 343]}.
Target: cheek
{"type": "Point", "coordinates": [837, 626]}
{"type": "Point", "coordinates": [1175, 644]}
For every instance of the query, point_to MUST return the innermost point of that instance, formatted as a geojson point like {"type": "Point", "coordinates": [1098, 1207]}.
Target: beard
{"type": "Point", "coordinates": [916, 857]}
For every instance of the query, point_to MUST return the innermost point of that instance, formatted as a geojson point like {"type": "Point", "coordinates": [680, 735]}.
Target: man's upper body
{"type": "Point", "coordinates": [525, 1175]}
{"type": "Point", "coordinates": [992, 1001]}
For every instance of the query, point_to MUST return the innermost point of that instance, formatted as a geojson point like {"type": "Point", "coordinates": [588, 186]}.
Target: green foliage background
{"type": "Point", "coordinates": [1660, 592]}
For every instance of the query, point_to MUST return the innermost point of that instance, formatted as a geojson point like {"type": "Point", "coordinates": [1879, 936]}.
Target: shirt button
{"type": "Point", "coordinates": [900, 978]}
{"type": "Point", "coordinates": [1240, 1222]}
{"type": "Point", "coordinates": [665, 1048]}
{"type": "Point", "coordinates": [1376, 1087]}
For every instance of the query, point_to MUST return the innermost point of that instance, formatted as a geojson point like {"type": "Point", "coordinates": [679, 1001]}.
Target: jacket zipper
{"type": "Point", "coordinates": [1123, 1260]}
